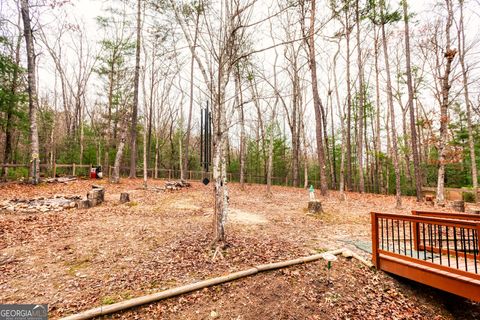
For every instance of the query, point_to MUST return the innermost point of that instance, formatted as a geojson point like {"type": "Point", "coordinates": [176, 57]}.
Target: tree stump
{"type": "Point", "coordinates": [96, 196]}
{"type": "Point", "coordinates": [101, 192]}
{"type": "Point", "coordinates": [315, 207]}
{"type": "Point", "coordinates": [458, 205]}
{"type": "Point", "coordinates": [84, 204]}
{"type": "Point", "coordinates": [124, 197]}
{"type": "Point", "coordinates": [429, 199]}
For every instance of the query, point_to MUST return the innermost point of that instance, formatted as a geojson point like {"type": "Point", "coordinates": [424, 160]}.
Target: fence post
{"type": "Point", "coordinates": [54, 169]}
{"type": "Point", "coordinates": [73, 173]}
{"type": "Point", "coordinates": [375, 256]}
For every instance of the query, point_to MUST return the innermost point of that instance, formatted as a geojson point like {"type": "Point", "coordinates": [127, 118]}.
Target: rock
{"type": "Point", "coordinates": [347, 254]}
{"type": "Point", "coordinates": [72, 204]}
{"type": "Point", "coordinates": [11, 209]}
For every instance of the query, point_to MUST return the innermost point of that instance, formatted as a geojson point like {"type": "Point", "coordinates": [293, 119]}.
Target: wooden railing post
{"type": "Point", "coordinates": [73, 173]}
{"type": "Point", "coordinates": [54, 169]}
{"type": "Point", "coordinates": [375, 242]}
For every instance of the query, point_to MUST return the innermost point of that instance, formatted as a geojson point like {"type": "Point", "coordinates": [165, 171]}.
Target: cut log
{"type": "Point", "coordinates": [458, 205]}
{"type": "Point", "coordinates": [315, 207]}
{"type": "Point", "coordinates": [101, 193]}
{"type": "Point", "coordinates": [124, 197]}
{"type": "Point", "coordinates": [84, 204]}
{"type": "Point", "coordinates": [96, 196]}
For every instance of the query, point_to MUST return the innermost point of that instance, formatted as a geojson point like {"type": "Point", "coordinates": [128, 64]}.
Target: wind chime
{"type": "Point", "coordinates": [205, 140]}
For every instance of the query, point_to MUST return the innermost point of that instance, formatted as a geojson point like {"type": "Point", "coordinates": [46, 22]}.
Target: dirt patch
{"type": "Point", "coordinates": [245, 217]}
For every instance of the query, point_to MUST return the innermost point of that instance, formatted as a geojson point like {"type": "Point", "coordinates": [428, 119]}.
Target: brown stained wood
{"type": "Point", "coordinates": [460, 278]}
{"type": "Point", "coordinates": [457, 284]}
{"type": "Point", "coordinates": [448, 215]}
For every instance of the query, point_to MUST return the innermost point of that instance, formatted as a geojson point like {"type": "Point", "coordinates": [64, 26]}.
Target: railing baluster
{"type": "Point", "coordinates": [462, 237]}
{"type": "Point", "coordinates": [381, 228]}
{"type": "Point", "coordinates": [474, 251]}
{"type": "Point", "coordinates": [440, 245]}
{"type": "Point", "coordinates": [411, 247]}
{"type": "Point", "coordinates": [448, 247]}
{"type": "Point", "coordinates": [455, 244]}
{"type": "Point", "coordinates": [393, 235]}
{"type": "Point", "coordinates": [388, 244]}
{"type": "Point", "coordinates": [424, 243]}
{"type": "Point", "coordinates": [431, 235]}
{"type": "Point", "coordinates": [398, 237]}
{"type": "Point", "coordinates": [404, 239]}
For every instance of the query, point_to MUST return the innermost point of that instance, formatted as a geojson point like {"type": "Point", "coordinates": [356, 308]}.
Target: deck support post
{"type": "Point", "coordinates": [375, 241]}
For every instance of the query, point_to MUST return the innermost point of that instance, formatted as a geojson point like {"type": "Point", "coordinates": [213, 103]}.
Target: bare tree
{"type": "Point", "coordinates": [32, 92]}
{"type": "Point", "coordinates": [317, 103]}
{"type": "Point", "coordinates": [461, 55]}
{"type": "Point", "coordinates": [361, 99]}
{"type": "Point", "coordinates": [133, 129]}
{"type": "Point", "coordinates": [413, 130]}
{"type": "Point", "coordinates": [391, 106]}
{"type": "Point", "coordinates": [449, 55]}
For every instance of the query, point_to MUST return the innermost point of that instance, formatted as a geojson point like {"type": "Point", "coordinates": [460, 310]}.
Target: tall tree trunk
{"type": "Point", "coordinates": [471, 144]}
{"type": "Point", "coordinates": [190, 107]}
{"type": "Point", "coordinates": [378, 145]}
{"type": "Point", "coordinates": [32, 93]}
{"type": "Point", "coordinates": [413, 129]}
{"type": "Point", "coordinates": [442, 143]}
{"type": "Point", "coordinates": [145, 161]}
{"type": "Point", "coordinates": [317, 103]}
{"type": "Point", "coordinates": [360, 116]}
{"type": "Point", "coordinates": [342, 127]}
{"type": "Point", "coordinates": [7, 155]}
{"type": "Point", "coordinates": [133, 130]}
{"type": "Point", "coordinates": [239, 103]}
{"type": "Point", "coordinates": [119, 155]}
{"type": "Point", "coordinates": [349, 106]}
{"type": "Point", "coordinates": [396, 165]}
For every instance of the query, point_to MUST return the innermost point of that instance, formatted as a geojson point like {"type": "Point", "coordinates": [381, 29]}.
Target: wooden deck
{"type": "Point", "coordinates": [437, 249]}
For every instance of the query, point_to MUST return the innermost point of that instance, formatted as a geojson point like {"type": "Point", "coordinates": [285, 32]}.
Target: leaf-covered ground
{"type": "Point", "coordinates": [78, 259]}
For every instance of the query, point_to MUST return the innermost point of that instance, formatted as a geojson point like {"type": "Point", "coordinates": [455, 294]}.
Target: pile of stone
{"type": "Point", "coordinates": [40, 204]}
{"type": "Point", "coordinates": [176, 185]}
{"type": "Point", "coordinates": [60, 180]}
{"type": "Point", "coordinates": [56, 203]}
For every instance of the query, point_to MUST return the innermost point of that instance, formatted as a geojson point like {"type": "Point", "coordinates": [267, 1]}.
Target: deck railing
{"type": "Point", "coordinates": [433, 241]}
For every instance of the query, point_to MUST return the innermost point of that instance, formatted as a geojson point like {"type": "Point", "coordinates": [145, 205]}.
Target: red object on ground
{"type": "Point", "coordinates": [93, 173]}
